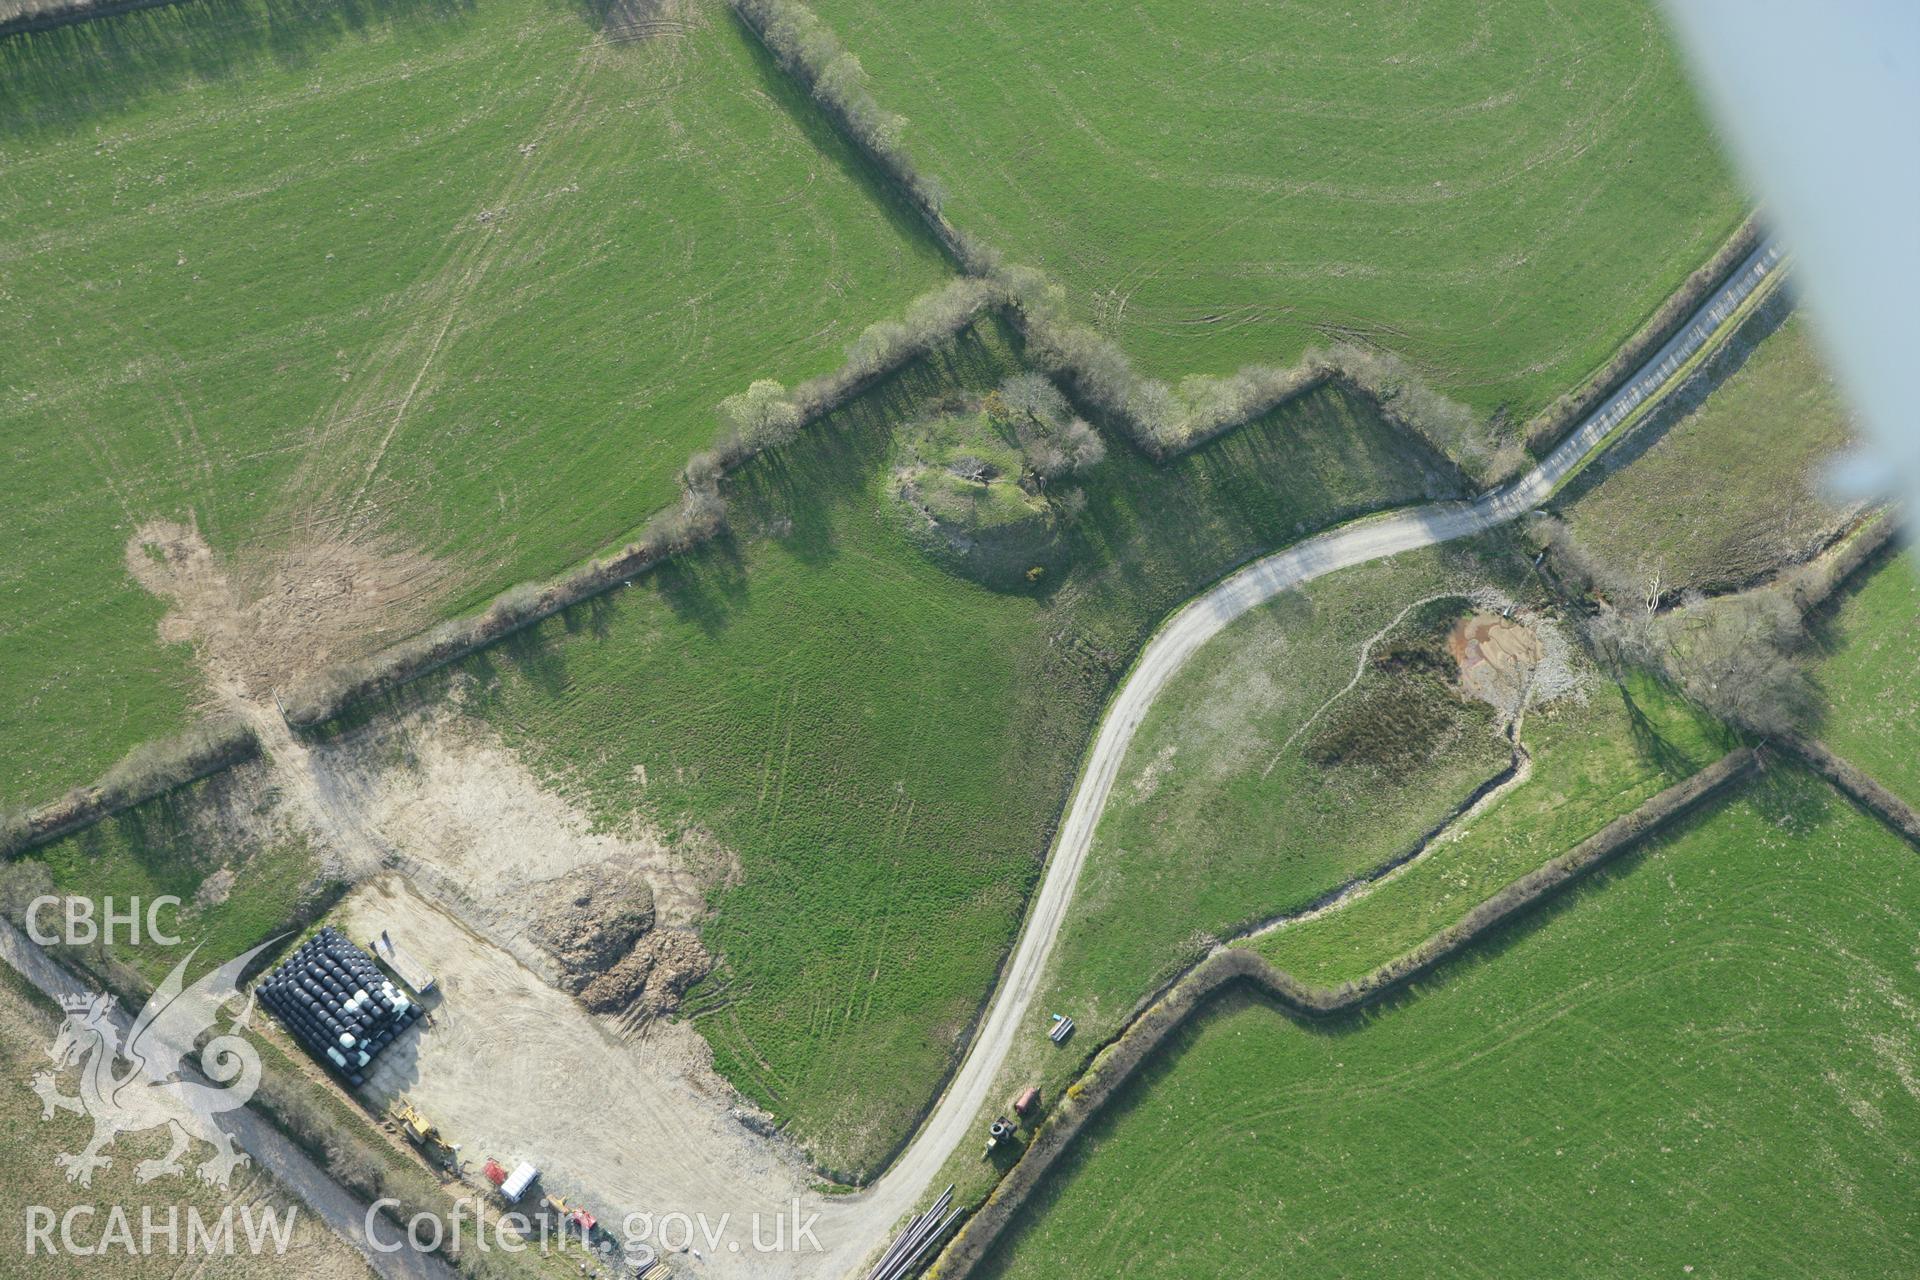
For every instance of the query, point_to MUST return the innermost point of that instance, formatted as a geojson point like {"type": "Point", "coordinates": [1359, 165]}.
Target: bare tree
{"type": "Point", "coordinates": [1034, 395]}
{"type": "Point", "coordinates": [1737, 657]}
{"type": "Point", "coordinates": [972, 468]}
{"type": "Point", "coordinates": [1084, 447]}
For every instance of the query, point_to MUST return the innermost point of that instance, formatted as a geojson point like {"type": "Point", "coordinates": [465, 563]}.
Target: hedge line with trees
{"type": "Point", "coordinates": [1859, 785]}
{"type": "Point", "coordinates": [1551, 425]}
{"type": "Point", "coordinates": [1164, 419]}
{"type": "Point", "coordinates": [764, 416]}
{"type": "Point", "coordinates": [1742, 656]}
{"type": "Point", "coordinates": [148, 771]}
{"type": "Point", "coordinates": [20, 16]}
{"type": "Point", "coordinates": [1117, 1063]}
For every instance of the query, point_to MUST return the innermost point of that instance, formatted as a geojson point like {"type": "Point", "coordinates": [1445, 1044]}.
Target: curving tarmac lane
{"type": "Point", "coordinates": [950, 1123]}
{"type": "Point", "coordinates": [850, 1228]}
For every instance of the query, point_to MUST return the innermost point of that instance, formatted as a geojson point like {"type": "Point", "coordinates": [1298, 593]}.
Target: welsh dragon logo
{"type": "Point", "coordinates": [154, 1089]}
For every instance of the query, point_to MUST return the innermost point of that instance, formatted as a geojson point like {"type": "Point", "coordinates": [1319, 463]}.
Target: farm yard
{"type": "Point", "coordinates": [1561, 1099]}
{"type": "Point", "coordinates": [1015, 666]}
{"type": "Point", "coordinates": [1460, 184]}
{"type": "Point", "coordinates": [394, 307]}
{"type": "Point", "coordinates": [503, 1049]}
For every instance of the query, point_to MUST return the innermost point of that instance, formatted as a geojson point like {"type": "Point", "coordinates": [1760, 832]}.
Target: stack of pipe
{"type": "Point", "coordinates": [905, 1253]}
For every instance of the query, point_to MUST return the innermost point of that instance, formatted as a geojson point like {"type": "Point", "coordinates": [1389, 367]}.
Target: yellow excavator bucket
{"type": "Point", "coordinates": [416, 1126]}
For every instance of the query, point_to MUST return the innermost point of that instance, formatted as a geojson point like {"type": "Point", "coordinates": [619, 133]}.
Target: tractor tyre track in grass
{"type": "Point", "coordinates": [951, 1121]}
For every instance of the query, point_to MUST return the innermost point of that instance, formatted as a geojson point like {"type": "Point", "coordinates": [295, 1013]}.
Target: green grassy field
{"type": "Point", "coordinates": [235, 890]}
{"type": "Point", "coordinates": [1201, 840]}
{"type": "Point", "coordinates": [1591, 765]}
{"type": "Point", "coordinates": [1226, 811]}
{"type": "Point", "coordinates": [1674, 507]}
{"type": "Point", "coordinates": [1871, 674]}
{"type": "Point", "coordinates": [460, 279]}
{"type": "Point", "coordinates": [884, 744]}
{"type": "Point", "coordinates": [1699, 1063]}
{"type": "Point", "coordinates": [1501, 195]}
{"type": "Point", "coordinates": [28, 1026]}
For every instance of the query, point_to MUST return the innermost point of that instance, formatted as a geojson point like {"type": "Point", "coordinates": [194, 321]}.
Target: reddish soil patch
{"type": "Point", "coordinates": [1495, 654]}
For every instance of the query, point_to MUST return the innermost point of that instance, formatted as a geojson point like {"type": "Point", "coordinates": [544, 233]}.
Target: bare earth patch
{"type": "Point", "coordinates": [258, 623]}
{"type": "Point", "coordinates": [1495, 655]}
{"type": "Point", "coordinates": [442, 800]}
{"type": "Point", "coordinates": [511, 1068]}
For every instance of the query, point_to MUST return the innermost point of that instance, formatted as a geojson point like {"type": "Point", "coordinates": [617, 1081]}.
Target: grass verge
{"type": "Point", "coordinates": [1765, 399]}
{"type": "Point", "coordinates": [457, 283]}
{"type": "Point", "coordinates": [1560, 1098]}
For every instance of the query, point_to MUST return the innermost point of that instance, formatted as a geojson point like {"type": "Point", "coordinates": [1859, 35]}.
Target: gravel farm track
{"type": "Point", "coordinates": [852, 1228]}
{"type": "Point", "coordinates": [952, 1119]}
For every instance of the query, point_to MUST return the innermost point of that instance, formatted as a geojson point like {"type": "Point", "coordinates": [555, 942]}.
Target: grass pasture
{"type": "Point", "coordinates": [1698, 1062]}
{"type": "Point", "coordinates": [1226, 812]}
{"type": "Point", "coordinates": [461, 281]}
{"type": "Point", "coordinates": [28, 1025]}
{"type": "Point", "coordinates": [1590, 765]}
{"type": "Point", "coordinates": [1501, 195]}
{"type": "Point", "coordinates": [1870, 673]}
{"type": "Point", "coordinates": [1665, 501]}
{"type": "Point", "coordinates": [237, 887]}
{"type": "Point", "coordinates": [882, 743]}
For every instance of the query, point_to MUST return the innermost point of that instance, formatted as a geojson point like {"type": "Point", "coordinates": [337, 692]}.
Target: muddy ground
{"type": "Point", "coordinates": [510, 1067]}
{"type": "Point", "coordinates": [266, 619]}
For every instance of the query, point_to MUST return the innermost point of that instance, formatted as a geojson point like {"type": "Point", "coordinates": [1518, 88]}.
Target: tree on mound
{"type": "Point", "coordinates": [1053, 441]}
{"type": "Point", "coordinates": [982, 480]}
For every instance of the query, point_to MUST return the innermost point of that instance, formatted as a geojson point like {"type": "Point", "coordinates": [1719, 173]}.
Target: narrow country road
{"type": "Point", "coordinates": [269, 1149]}
{"type": "Point", "coordinates": [851, 1228]}
{"type": "Point", "coordinates": [908, 1182]}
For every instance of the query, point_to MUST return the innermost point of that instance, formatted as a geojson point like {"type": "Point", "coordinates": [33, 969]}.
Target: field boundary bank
{"type": "Point", "coordinates": [144, 774]}
{"type": "Point", "coordinates": [72, 15]}
{"type": "Point", "coordinates": [1857, 785]}
{"type": "Point", "coordinates": [1809, 585]}
{"type": "Point", "coordinates": [936, 318]}
{"type": "Point", "coordinates": [1161, 421]}
{"type": "Point", "coordinates": [1118, 1061]}
{"type": "Point", "coordinates": [327, 695]}
{"type": "Point", "coordinates": [1551, 425]}
{"type": "Point", "coordinates": [1812, 583]}
{"type": "Point", "coordinates": [1355, 884]}
{"type": "Point", "coordinates": [1769, 310]}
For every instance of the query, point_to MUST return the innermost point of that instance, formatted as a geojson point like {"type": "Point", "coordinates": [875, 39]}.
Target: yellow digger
{"type": "Point", "coordinates": [419, 1130]}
